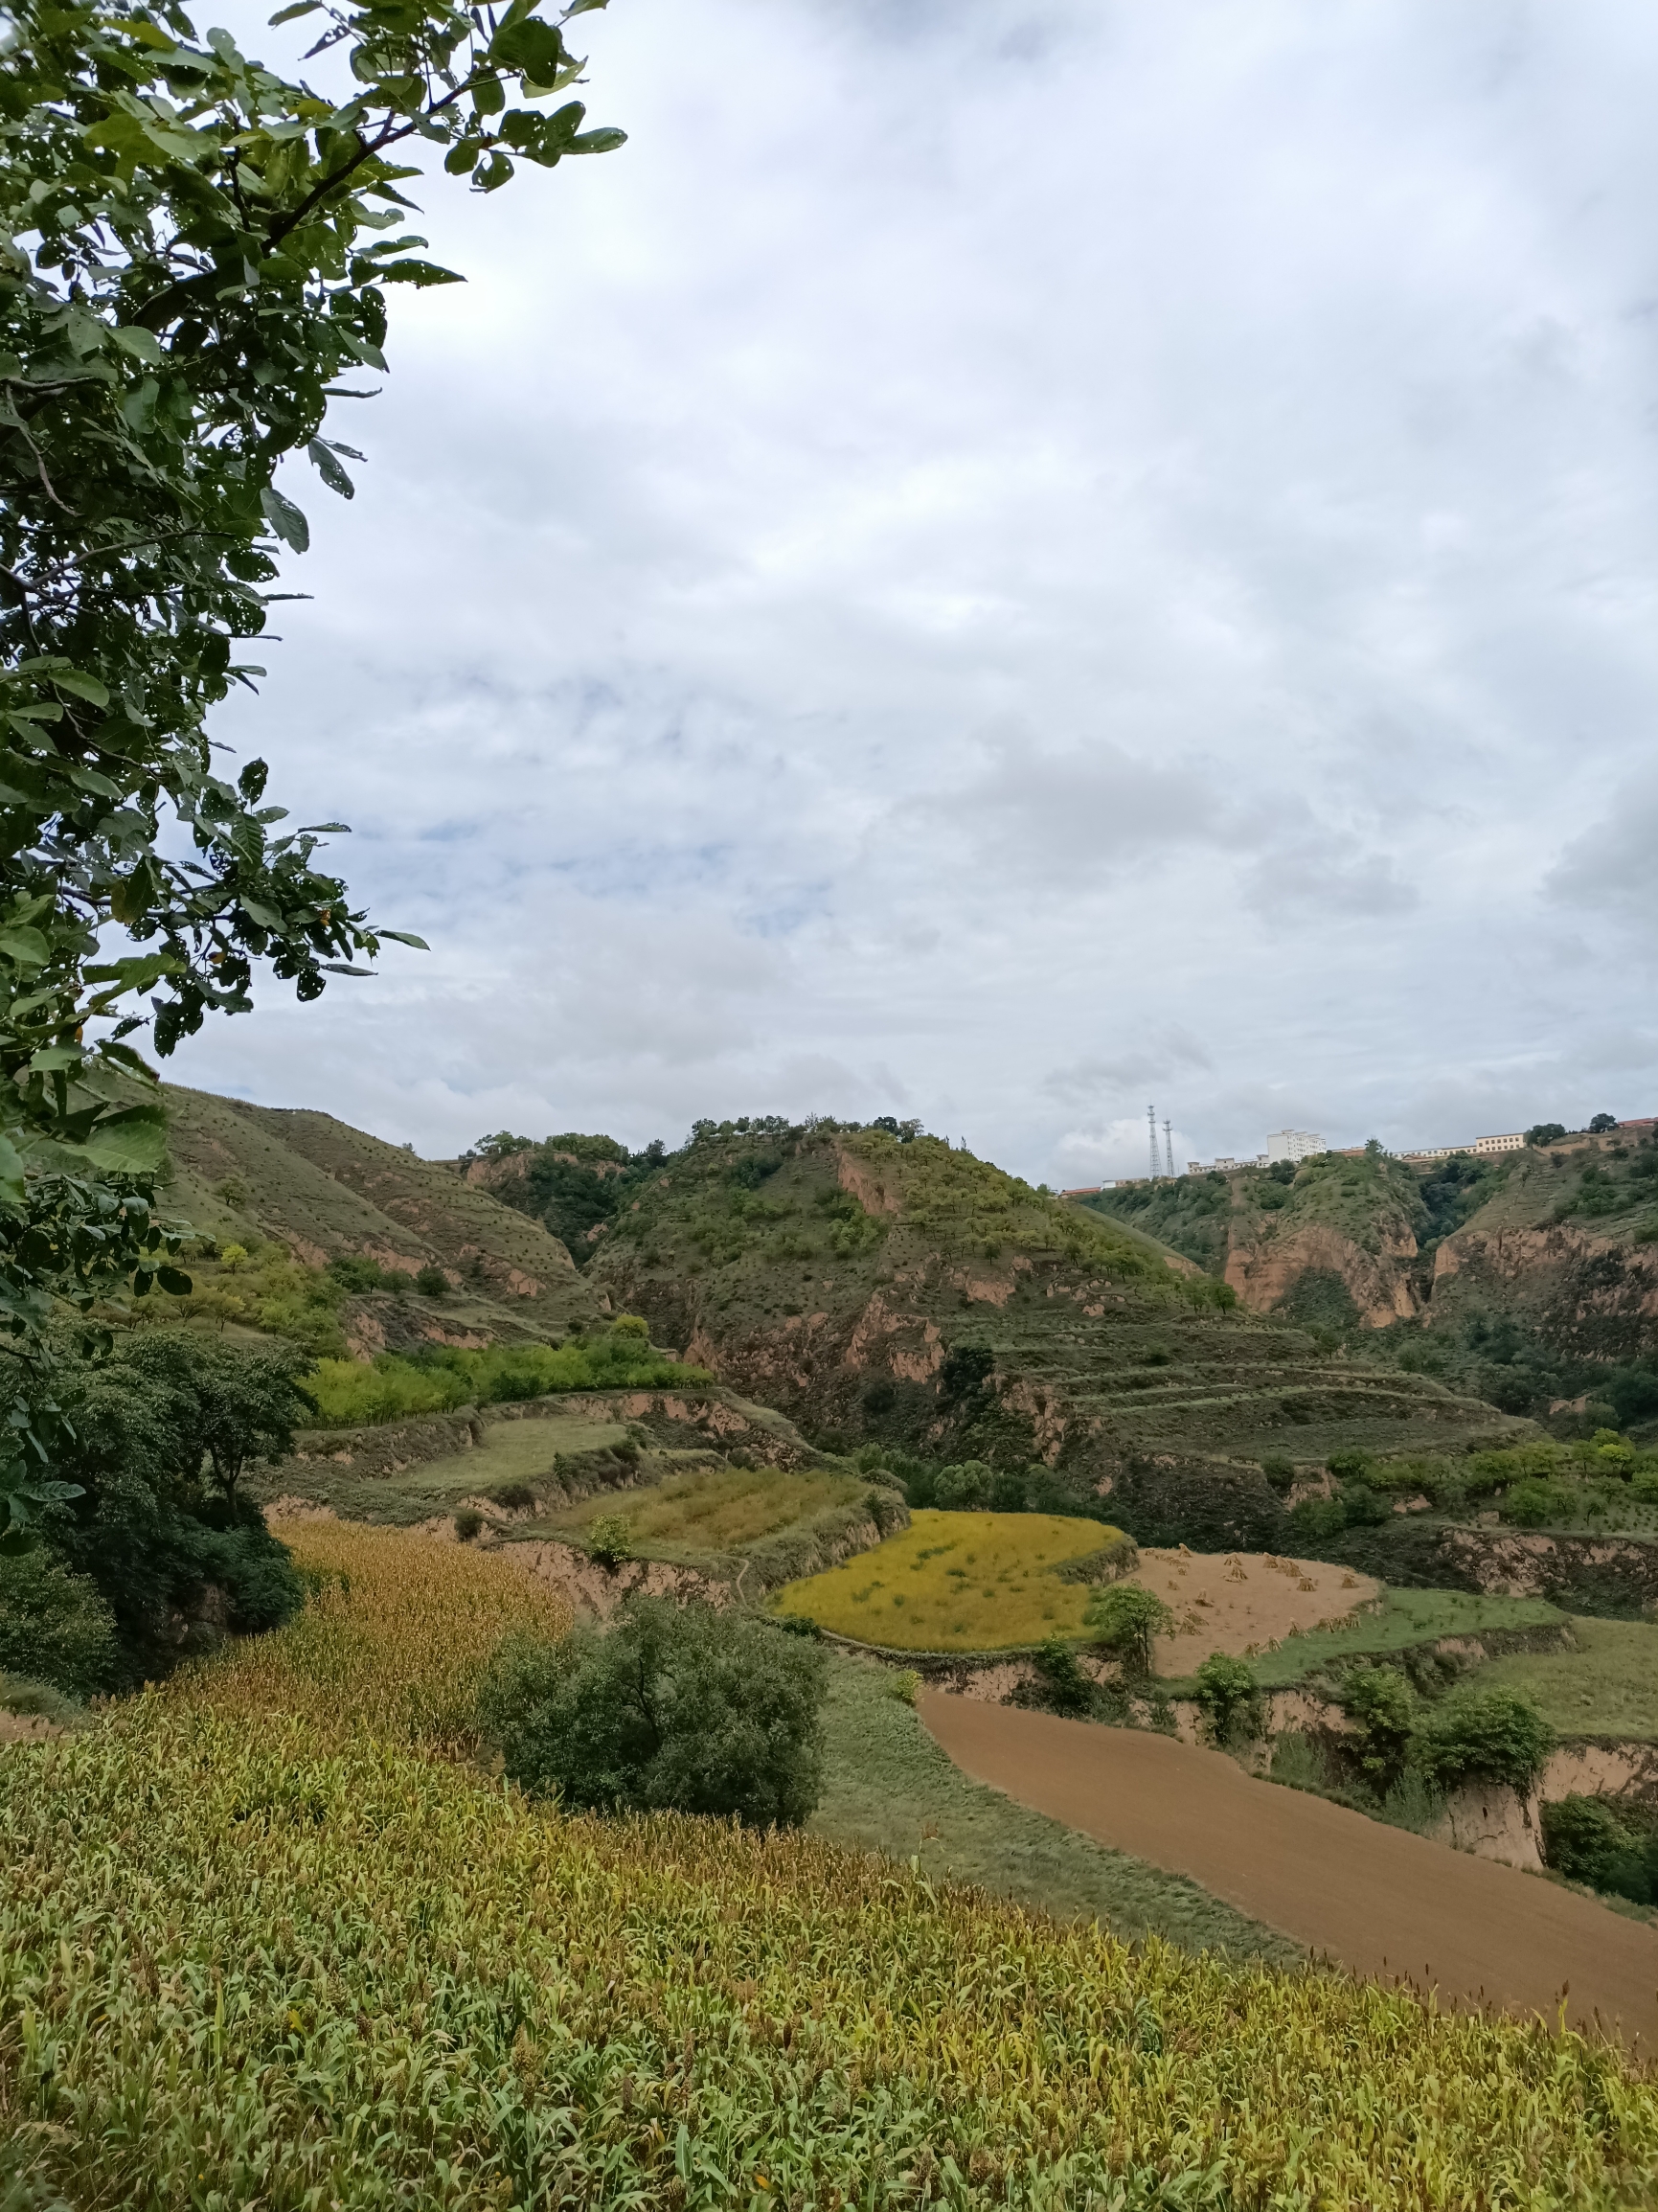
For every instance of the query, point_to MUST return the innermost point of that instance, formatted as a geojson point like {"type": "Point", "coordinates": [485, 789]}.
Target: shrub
{"type": "Point", "coordinates": [1124, 1619]}
{"type": "Point", "coordinates": [1279, 1472]}
{"type": "Point", "coordinates": [513, 1496]}
{"type": "Point", "coordinates": [1230, 1697]}
{"type": "Point", "coordinates": [687, 1711]}
{"type": "Point", "coordinates": [1529, 1504]}
{"type": "Point", "coordinates": [1493, 1735]}
{"type": "Point", "coordinates": [1061, 1685]}
{"type": "Point", "coordinates": [1382, 1703]}
{"type": "Point", "coordinates": [431, 1282]}
{"type": "Point", "coordinates": [609, 1539]}
{"type": "Point", "coordinates": [1585, 1839]}
{"type": "Point", "coordinates": [468, 1524]}
{"type": "Point", "coordinates": [54, 1626]}
{"type": "Point", "coordinates": [1347, 1466]}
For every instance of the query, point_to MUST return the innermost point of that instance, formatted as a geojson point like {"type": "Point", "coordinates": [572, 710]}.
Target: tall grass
{"type": "Point", "coordinates": [351, 1395]}
{"type": "Point", "coordinates": [271, 1953]}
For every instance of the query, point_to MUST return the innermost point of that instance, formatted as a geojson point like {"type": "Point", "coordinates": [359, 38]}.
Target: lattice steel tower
{"type": "Point", "coordinates": [1151, 1126]}
{"type": "Point", "coordinates": [1169, 1147]}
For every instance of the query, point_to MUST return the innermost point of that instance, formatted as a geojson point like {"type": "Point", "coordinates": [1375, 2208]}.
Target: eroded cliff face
{"type": "Point", "coordinates": [1592, 1297]}
{"type": "Point", "coordinates": [1264, 1269]}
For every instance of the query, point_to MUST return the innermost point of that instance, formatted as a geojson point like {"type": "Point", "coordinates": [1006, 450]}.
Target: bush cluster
{"type": "Point", "coordinates": [680, 1709]}
{"type": "Point", "coordinates": [351, 1395]}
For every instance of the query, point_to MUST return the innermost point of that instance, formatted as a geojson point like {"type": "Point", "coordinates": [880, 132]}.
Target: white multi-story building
{"type": "Point", "coordinates": [1515, 1143]}
{"type": "Point", "coordinates": [1293, 1145]}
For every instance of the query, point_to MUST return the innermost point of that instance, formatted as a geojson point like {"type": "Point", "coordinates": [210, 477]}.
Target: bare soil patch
{"type": "Point", "coordinates": [1377, 1899]}
{"type": "Point", "coordinates": [1243, 1602]}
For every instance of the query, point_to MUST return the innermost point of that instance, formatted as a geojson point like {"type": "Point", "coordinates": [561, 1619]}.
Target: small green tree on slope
{"type": "Point", "coordinates": [681, 1709]}
{"type": "Point", "coordinates": [194, 251]}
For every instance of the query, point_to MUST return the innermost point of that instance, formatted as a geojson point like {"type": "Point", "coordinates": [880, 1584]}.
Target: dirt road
{"type": "Point", "coordinates": [1378, 1900]}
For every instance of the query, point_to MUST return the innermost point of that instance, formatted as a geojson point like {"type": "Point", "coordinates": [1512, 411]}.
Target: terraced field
{"type": "Point", "coordinates": [269, 1935]}
{"type": "Point", "coordinates": [957, 1582]}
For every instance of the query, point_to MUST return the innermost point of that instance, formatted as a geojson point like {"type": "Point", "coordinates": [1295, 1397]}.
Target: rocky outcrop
{"type": "Point", "coordinates": [1264, 1270]}
{"type": "Point", "coordinates": [1587, 1294]}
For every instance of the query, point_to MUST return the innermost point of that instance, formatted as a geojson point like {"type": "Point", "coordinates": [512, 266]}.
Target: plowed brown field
{"type": "Point", "coordinates": [1376, 1898]}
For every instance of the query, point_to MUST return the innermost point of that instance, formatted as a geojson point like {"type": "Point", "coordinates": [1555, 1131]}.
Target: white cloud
{"type": "Point", "coordinates": [988, 540]}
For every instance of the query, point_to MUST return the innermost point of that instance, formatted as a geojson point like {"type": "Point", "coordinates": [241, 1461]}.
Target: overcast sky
{"type": "Point", "coordinates": [1000, 562]}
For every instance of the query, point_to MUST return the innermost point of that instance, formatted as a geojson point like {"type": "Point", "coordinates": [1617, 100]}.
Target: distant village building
{"type": "Point", "coordinates": [1088, 1191]}
{"type": "Point", "coordinates": [1293, 1144]}
{"type": "Point", "coordinates": [1515, 1143]}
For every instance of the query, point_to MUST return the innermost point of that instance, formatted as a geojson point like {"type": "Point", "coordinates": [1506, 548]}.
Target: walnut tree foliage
{"type": "Point", "coordinates": [193, 253]}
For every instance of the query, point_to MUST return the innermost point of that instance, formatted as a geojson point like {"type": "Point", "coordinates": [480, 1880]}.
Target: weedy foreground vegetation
{"type": "Point", "coordinates": [270, 1935]}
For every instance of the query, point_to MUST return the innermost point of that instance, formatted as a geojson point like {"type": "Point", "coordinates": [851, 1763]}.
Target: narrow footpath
{"type": "Point", "coordinates": [1378, 1900]}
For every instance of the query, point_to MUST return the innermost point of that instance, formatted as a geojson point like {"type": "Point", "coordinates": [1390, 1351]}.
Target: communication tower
{"type": "Point", "coordinates": [1167, 1148]}
{"type": "Point", "coordinates": [1151, 1126]}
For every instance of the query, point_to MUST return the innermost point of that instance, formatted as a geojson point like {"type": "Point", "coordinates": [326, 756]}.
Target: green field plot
{"type": "Point", "coordinates": [889, 1788]}
{"type": "Point", "coordinates": [718, 1511]}
{"type": "Point", "coordinates": [1608, 1686]}
{"type": "Point", "coordinates": [957, 1582]}
{"type": "Point", "coordinates": [1403, 1620]}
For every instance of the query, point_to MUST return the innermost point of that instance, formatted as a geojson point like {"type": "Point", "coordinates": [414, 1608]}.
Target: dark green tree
{"type": "Point", "coordinates": [194, 251]}
{"type": "Point", "coordinates": [229, 1405]}
{"type": "Point", "coordinates": [1383, 1706]}
{"type": "Point", "coordinates": [675, 1709]}
{"type": "Point", "coordinates": [1124, 1619]}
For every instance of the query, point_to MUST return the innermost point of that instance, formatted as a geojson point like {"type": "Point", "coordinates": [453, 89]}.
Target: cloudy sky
{"type": "Point", "coordinates": [1004, 560]}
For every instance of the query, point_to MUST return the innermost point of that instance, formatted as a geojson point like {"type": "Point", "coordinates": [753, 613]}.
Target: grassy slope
{"type": "Point", "coordinates": [324, 1964]}
{"type": "Point", "coordinates": [1372, 1201]}
{"type": "Point", "coordinates": [889, 1788]}
{"type": "Point", "coordinates": [840, 1286]}
{"type": "Point", "coordinates": [1607, 1687]}
{"type": "Point", "coordinates": [322, 1187]}
{"type": "Point", "coordinates": [956, 1582]}
{"type": "Point", "coordinates": [1405, 1620]}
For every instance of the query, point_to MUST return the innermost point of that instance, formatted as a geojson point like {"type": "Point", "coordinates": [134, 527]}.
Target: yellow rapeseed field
{"type": "Point", "coordinates": [280, 1956]}
{"type": "Point", "coordinates": [957, 1582]}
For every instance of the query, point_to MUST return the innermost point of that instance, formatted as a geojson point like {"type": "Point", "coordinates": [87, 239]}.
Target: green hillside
{"type": "Point", "coordinates": [903, 1292]}
{"type": "Point", "coordinates": [252, 1175]}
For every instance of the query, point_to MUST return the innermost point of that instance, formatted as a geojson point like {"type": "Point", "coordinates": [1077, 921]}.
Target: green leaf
{"type": "Point", "coordinates": [416, 272]}
{"type": "Point", "coordinates": [83, 687]}
{"type": "Point", "coordinates": [597, 141]}
{"type": "Point", "coordinates": [299, 8]}
{"type": "Point", "coordinates": [130, 1143]}
{"type": "Point", "coordinates": [285, 519]}
{"type": "Point", "coordinates": [12, 1190]}
{"type": "Point", "coordinates": [174, 1280]}
{"type": "Point", "coordinates": [48, 1493]}
{"type": "Point", "coordinates": [26, 948]}
{"type": "Point", "coordinates": [142, 344]}
{"type": "Point", "coordinates": [530, 46]}
{"type": "Point", "coordinates": [405, 937]}
{"type": "Point", "coordinates": [330, 471]}
{"type": "Point", "coordinates": [263, 916]}
{"type": "Point", "coordinates": [51, 1059]}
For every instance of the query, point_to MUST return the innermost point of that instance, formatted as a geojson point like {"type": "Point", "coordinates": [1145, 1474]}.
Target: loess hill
{"type": "Point", "coordinates": [1527, 1278]}
{"type": "Point", "coordinates": [253, 1173]}
{"type": "Point", "coordinates": [876, 1288]}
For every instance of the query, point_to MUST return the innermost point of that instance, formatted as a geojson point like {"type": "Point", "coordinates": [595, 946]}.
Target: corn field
{"type": "Point", "coordinates": [268, 1938]}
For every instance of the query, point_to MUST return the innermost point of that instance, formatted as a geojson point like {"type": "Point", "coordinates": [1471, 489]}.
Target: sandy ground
{"type": "Point", "coordinates": [1242, 1602]}
{"type": "Point", "coordinates": [1379, 1901]}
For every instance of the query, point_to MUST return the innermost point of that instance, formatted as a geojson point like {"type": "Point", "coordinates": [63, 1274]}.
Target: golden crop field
{"type": "Point", "coordinates": [957, 1582]}
{"type": "Point", "coordinates": [284, 1957]}
{"type": "Point", "coordinates": [719, 1511]}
